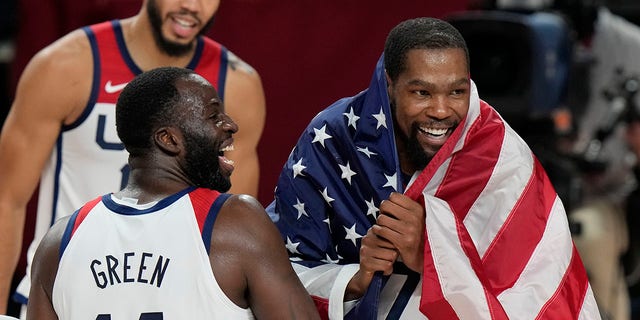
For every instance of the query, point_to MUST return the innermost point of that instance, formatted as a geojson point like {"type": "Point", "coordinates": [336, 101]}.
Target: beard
{"type": "Point", "coordinates": [418, 157]}
{"type": "Point", "coordinates": [200, 168]}
{"type": "Point", "coordinates": [416, 153]}
{"type": "Point", "coordinates": [173, 49]}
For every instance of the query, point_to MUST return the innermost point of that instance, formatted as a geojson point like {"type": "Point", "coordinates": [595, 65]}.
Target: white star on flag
{"type": "Point", "coordinates": [352, 118]}
{"type": "Point", "coordinates": [328, 222]}
{"type": "Point", "coordinates": [366, 151]}
{"type": "Point", "coordinates": [372, 209]}
{"type": "Point", "coordinates": [382, 119]}
{"type": "Point", "coordinates": [321, 135]}
{"type": "Point", "coordinates": [352, 234]}
{"type": "Point", "coordinates": [292, 246]}
{"type": "Point", "coordinates": [300, 207]}
{"type": "Point", "coordinates": [325, 195]}
{"type": "Point", "coordinates": [329, 260]}
{"type": "Point", "coordinates": [392, 181]}
{"type": "Point", "coordinates": [297, 168]}
{"type": "Point", "coordinates": [347, 173]}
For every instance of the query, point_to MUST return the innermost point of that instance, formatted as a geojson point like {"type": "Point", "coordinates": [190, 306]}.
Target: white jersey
{"type": "Point", "coordinates": [121, 261]}
{"type": "Point", "coordinates": [88, 158]}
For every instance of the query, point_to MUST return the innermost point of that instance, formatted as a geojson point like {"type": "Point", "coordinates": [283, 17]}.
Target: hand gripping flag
{"type": "Point", "coordinates": [497, 243]}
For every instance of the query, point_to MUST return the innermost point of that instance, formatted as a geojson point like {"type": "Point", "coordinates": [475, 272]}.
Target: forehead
{"type": "Point", "coordinates": [195, 86]}
{"type": "Point", "coordinates": [452, 59]}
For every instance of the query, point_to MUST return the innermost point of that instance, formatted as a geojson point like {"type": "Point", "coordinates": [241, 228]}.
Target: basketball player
{"type": "Point", "coordinates": [62, 121]}
{"type": "Point", "coordinates": [169, 245]}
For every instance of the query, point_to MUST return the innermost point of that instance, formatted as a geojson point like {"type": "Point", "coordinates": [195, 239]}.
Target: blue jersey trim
{"type": "Point", "coordinates": [56, 181]}
{"type": "Point", "coordinates": [196, 55]}
{"type": "Point", "coordinates": [122, 46]}
{"type": "Point", "coordinates": [207, 228]}
{"type": "Point", "coordinates": [20, 298]}
{"type": "Point", "coordinates": [95, 84]}
{"type": "Point", "coordinates": [222, 73]}
{"type": "Point", "coordinates": [66, 236]}
{"type": "Point", "coordinates": [129, 211]}
{"type": "Point", "coordinates": [222, 76]}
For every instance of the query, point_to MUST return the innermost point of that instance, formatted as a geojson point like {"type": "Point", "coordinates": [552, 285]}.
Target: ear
{"type": "Point", "coordinates": [389, 83]}
{"type": "Point", "coordinates": [169, 140]}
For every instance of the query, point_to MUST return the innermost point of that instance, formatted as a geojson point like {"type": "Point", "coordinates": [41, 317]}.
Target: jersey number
{"type": "Point", "coordinates": [143, 316]}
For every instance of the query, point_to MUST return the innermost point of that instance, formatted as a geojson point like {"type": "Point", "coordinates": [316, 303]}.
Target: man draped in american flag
{"type": "Point", "coordinates": [414, 199]}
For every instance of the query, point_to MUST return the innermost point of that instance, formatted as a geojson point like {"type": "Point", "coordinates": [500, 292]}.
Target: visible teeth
{"type": "Point", "coordinates": [435, 132]}
{"type": "Point", "coordinates": [228, 161]}
{"type": "Point", "coordinates": [184, 23]}
{"type": "Point", "coordinates": [228, 148]}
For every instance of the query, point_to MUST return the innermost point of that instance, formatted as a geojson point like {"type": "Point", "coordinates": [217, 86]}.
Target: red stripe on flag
{"type": "Point", "coordinates": [567, 301]}
{"type": "Point", "coordinates": [84, 211]}
{"type": "Point", "coordinates": [322, 304]}
{"type": "Point", "coordinates": [519, 236]}
{"type": "Point", "coordinates": [202, 199]}
{"type": "Point", "coordinates": [471, 168]}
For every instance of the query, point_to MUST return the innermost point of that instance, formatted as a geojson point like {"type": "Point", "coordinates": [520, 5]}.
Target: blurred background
{"type": "Point", "coordinates": [563, 73]}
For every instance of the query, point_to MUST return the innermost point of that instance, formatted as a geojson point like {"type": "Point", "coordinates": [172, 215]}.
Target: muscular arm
{"type": "Point", "coordinates": [51, 92]}
{"type": "Point", "coordinates": [250, 263]}
{"type": "Point", "coordinates": [245, 103]}
{"type": "Point", "coordinates": [43, 271]}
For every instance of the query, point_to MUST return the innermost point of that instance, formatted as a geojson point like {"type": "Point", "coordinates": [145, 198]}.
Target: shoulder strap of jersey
{"type": "Point", "coordinates": [75, 221]}
{"type": "Point", "coordinates": [206, 206]}
{"type": "Point", "coordinates": [210, 61]}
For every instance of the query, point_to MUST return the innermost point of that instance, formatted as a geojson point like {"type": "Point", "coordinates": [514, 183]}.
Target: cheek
{"type": "Point", "coordinates": [405, 117]}
{"type": "Point", "coordinates": [460, 108]}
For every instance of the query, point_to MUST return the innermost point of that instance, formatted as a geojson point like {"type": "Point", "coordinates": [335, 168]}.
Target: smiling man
{"type": "Point", "coordinates": [61, 130]}
{"type": "Point", "coordinates": [170, 245]}
{"type": "Point", "coordinates": [414, 199]}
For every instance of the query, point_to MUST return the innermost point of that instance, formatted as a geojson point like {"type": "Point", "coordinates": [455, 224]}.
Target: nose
{"type": "Point", "coordinates": [190, 5]}
{"type": "Point", "coordinates": [229, 125]}
{"type": "Point", "coordinates": [439, 108]}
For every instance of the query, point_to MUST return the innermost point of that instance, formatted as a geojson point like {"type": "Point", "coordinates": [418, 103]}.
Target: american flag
{"type": "Point", "coordinates": [497, 243]}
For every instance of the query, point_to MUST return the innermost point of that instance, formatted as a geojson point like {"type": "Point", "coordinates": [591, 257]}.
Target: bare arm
{"type": "Point", "coordinates": [245, 103]}
{"type": "Point", "coordinates": [43, 271]}
{"type": "Point", "coordinates": [252, 266]}
{"type": "Point", "coordinates": [48, 95]}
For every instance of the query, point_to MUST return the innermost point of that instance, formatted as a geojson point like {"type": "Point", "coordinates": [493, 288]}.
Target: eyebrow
{"type": "Point", "coordinates": [461, 81]}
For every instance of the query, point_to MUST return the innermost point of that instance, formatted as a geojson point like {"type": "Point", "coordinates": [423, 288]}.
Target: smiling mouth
{"type": "Point", "coordinates": [434, 132]}
{"type": "Point", "coordinates": [225, 163]}
{"type": "Point", "coordinates": [223, 150]}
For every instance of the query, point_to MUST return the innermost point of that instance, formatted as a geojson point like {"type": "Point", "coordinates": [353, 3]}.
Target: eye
{"type": "Point", "coordinates": [458, 92]}
{"type": "Point", "coordinates": [422, 93]}
{"type": "Point", "coordinates": [220, 119]}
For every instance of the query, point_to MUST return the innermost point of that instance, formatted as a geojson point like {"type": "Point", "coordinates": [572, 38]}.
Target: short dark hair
{"type": "Point", "coordinates": [145, 104]}
{"type": "Point", "coordinates": [419, 33]}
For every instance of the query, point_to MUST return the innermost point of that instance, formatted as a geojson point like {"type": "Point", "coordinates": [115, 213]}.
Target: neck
{"type": "Point", "coordinates": [149, 183]}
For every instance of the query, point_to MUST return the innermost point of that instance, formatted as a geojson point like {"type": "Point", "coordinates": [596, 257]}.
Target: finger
{"type": "Point", "coordinates": [373, 240]}
{"type": "Point", "coordinates": [404, 201]}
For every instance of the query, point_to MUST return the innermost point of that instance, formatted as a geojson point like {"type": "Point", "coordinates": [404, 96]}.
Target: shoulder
{"type": "Point", "coordinates": [244, 99]}
{"type": "Point", "coordinates": [63, 70]}
{"type": "Point", "coordinates": [46, 259]}
{"type": "Point", "coordinates": [243, 223]}
{"type": "Point", "coordinates": [71, 52]}
{"type": "Point", "coordinates": [242, 75]}
{"type": "Point", "coordinates": [239, 206]}
{"type": "Point", "coordinates": [64, 64]}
